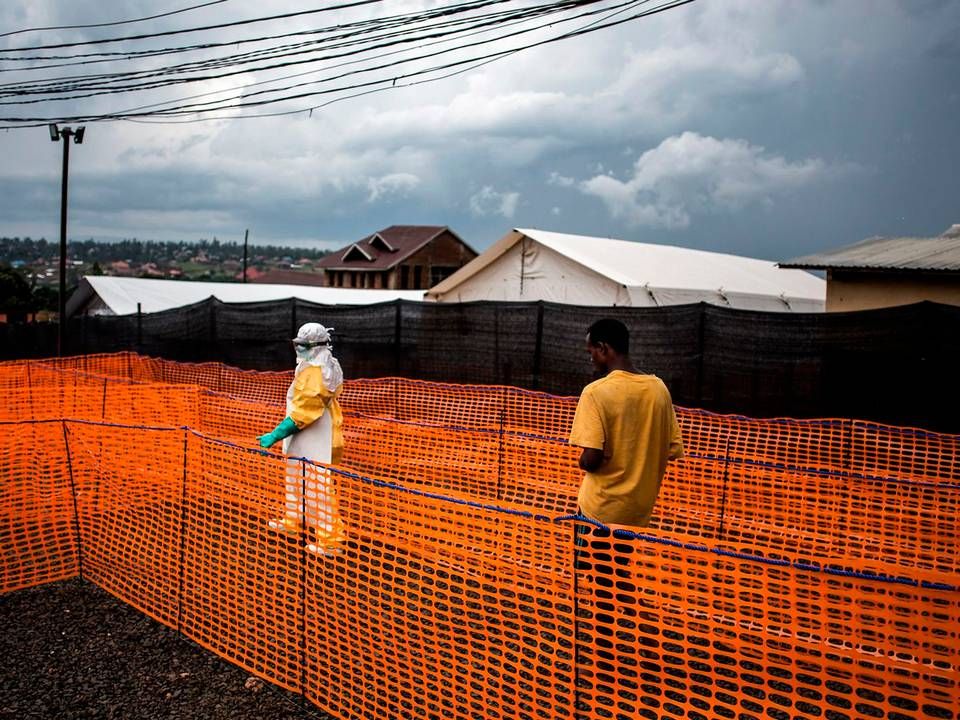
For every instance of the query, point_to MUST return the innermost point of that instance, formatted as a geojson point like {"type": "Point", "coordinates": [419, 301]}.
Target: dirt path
{"type": "Point", "coordinates": [71, 650]}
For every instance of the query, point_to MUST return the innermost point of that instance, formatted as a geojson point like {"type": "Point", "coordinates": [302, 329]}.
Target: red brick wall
{"type": "Point", "coordinates": [443, 251]}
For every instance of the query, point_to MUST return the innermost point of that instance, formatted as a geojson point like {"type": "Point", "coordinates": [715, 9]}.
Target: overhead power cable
{"type": "Point", "coordinates": [115, 55]}
{"type": "Point", "coordinates": [115, 22]}
{"type": "Point", "coordinates": [314, 72]}
{"type": "Point", "coordinates": [188, 109]}
{"type": "Point", "coordinates": [385, 52]}
{"type": "Point", "coordinates": [220, 26]}
{"type": "Point", "coordinates": [197, 107]}
{"type": "Point", "coordinates": [108, 84]}
{"type": "Point", "coordinates": [597, 25]}
{"type": "Point", "coordinates": [492, 56]}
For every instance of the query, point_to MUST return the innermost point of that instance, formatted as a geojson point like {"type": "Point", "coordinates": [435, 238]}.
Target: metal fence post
{"type": "Point", "coordinates": [293, 318]}
{"type": "Point", "coordinates": [181, 564]}
{"type": "Point", "coordinates": [397, 336]}
{"type": "Point", "coordinates": [723, 493]}
{"type": "Point", "coordinates": [497, 380]}
{"type": "Point", "coordinates": [139, 329]}
{"type": "Point", "coordinates": [700, 350]}
{"type": "Point", "coordinates": [214, 351]}
{"type": "Point", "coordinates": [538, 348]}
{"type": "Point", "coordinates": [73, 495]}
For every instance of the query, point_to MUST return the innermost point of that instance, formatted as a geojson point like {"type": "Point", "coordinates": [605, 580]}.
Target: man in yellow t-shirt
{"type": "Point", "coordinates": [627, 429]}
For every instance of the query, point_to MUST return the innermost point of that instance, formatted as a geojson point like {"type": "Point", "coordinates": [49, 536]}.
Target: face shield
{"type": "Point", "coordinates": [311, 340]}
{"type": "Point", "coordinates": [309, 350]}
{"type": "Point", "coordinates": [313, 346]}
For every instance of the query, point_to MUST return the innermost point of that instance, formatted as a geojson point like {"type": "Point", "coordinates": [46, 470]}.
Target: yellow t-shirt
{"type": "Point", "coordinates": [630, 417]}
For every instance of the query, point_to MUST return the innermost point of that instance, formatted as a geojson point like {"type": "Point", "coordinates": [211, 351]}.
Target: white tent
{"type": "Point", "coordinates": [102, 295]}
{"type": "Point", "coordinates": [527, 265]}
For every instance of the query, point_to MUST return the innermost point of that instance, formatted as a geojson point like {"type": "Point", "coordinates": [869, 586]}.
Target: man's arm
{"type": "Point", "coordinates": [591, 459]}
{"type": "Point", "coordinates": [587, 433]}
{"type": "Point", "coordinates": [676, 439]}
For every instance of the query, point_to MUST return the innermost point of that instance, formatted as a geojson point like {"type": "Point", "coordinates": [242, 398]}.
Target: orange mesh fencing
{"type": "Point", "coordinates": [795, 568]}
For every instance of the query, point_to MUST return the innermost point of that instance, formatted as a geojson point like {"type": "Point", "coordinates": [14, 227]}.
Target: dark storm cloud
{"type": "Point", "coordinates": [770, 128]}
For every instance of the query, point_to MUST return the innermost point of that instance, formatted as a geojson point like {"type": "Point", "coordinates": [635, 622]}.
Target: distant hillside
{"type": "Point", "coordinates": [28, 251]}
{"type": "Point", "coordinates": [34, 264]}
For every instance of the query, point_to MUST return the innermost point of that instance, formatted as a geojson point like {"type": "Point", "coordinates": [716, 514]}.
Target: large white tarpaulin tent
{"type": "Point", "coordinates": [528, 265]}
{"type": "Point", "coordinates": [103, 295]}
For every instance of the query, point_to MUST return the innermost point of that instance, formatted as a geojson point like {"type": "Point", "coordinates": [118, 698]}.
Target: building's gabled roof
{"type": "Point", "coordinates": [909, 254]}
{"type": "Point", "coordinates": [120, 296]}
{"type": "Point", "coordinates": [384, 249]}
{"type": "Point", "coordinates": [646, 265]}
{"type": "Point", "coordinates": [355, 253]}
{"type": "Point", "coordinates": [379, 241]}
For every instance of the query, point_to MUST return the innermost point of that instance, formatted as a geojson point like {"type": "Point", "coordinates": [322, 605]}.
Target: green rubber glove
{"type": "Point", "coordinates": [285, 429]}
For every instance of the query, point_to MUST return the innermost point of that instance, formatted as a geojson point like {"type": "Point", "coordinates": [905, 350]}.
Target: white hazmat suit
{"type": "Point", "coordinates": [312, 429]}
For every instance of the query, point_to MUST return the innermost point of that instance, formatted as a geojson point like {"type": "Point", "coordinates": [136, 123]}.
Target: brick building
{"type": "Point", "coordinates": [400, 257]}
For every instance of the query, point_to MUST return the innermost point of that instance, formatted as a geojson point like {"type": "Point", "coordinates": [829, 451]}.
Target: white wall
{"type": "Point", "coordinates": [546, 275]}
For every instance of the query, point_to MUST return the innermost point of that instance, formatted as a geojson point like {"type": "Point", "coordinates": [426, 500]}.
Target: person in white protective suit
{"type": "Point", "coordinates": [313, 429]}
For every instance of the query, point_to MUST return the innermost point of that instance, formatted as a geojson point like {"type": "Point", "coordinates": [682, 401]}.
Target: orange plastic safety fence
{"type": "Point", "coordinates": [796, 569]}
{"type": "Point", "coordinates": [38, 526]}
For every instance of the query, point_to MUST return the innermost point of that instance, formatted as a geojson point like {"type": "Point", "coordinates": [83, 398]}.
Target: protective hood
{"type": "Point", "coordinates": [315, 349]}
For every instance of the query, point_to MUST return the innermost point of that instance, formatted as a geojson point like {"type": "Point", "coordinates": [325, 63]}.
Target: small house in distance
{"type": "Point", "coordinates": [531, 265]}
{"type": "Point", "coordinates": [882, 271]}
{"type": "Point", "coordinates": [400, 257]}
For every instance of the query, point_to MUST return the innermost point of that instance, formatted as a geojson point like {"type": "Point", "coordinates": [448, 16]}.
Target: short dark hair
{"type": "Point", "coordinates": [612, 332]}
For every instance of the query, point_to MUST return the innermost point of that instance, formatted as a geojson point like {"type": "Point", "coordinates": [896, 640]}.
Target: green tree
{"type": "Point", "coordinates": [15, 295]}
{"type": "Point", "coordinates": [46, 297]}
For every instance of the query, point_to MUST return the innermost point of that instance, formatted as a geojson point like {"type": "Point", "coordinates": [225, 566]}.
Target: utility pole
{"type": "Point", "coordinates": [55, 135]}
{"type": "Point", "coordinates": [246, 235]}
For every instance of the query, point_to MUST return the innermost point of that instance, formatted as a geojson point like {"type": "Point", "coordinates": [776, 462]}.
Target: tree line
{"type": "Point", "coordinates": [29, 250]}
{"type": "Point", "coordinates": [25, 288]}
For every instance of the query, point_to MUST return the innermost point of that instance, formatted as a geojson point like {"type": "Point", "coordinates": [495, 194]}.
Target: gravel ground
{"type": "Point", "coordinates": [71, 650]}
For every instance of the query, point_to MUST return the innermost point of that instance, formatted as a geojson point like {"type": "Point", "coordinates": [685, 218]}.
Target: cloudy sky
{"type": "Point", "coordinates": [769, 128]}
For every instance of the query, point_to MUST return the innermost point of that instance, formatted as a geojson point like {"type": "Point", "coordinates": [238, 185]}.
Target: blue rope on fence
{"type": "Point", "coordinates": [457, 428]}
{"type": "Point", "coordinates": [618, 533]}
{"type": "Point", "coordinates": [823, 472]}
{"type": "Point", "coordinates": [783, 467]}
{"type": "Point", "coordinates": [784, 562]}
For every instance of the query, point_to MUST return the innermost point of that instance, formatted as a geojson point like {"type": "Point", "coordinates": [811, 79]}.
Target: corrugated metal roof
{"type": "Point", "coordinates": [937, 254]}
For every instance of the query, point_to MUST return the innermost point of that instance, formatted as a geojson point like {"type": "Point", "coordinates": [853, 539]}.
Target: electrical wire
{"type": "Point", "coordinates": [469, 63]}
{"type": "Point", "coordinates": [196, 107]}
{"type": "Point", "coordinates": [344, 29]}
{"type": "Point", "coordinates": [109, 86]}
{"type": "Point", "coordinates": [180, 110]}
{"type": "Point", "coordinates": [108, 56]}
{"type": "Point", "coordinates": [393, 86]}
{"type": "Point", "coordinates": [220, 26]}
{"type": "Point", "coordinates": [306, 73]}
{"type": "Point", "coordinates": [114, 23]}
{"type": "Point", "coordinates": [492, 57]}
